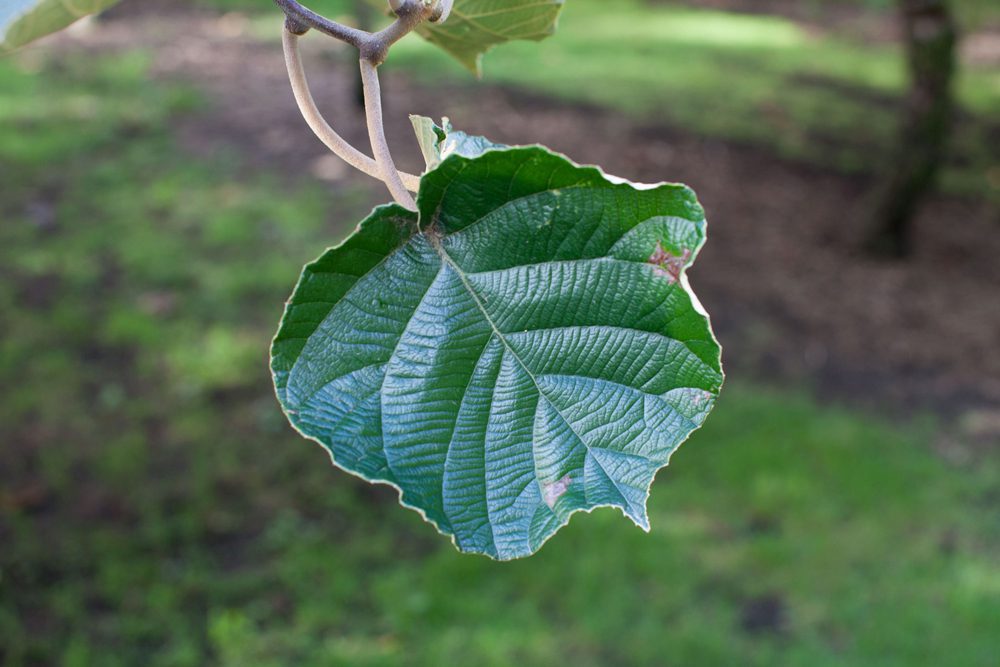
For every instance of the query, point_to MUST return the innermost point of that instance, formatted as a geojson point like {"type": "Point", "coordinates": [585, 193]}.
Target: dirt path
{"type": "Point", "coordinates": [791, 298]}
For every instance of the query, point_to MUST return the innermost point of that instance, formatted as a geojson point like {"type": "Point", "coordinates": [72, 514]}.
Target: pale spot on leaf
{"type": "Point", "coordinates": [553, 491]}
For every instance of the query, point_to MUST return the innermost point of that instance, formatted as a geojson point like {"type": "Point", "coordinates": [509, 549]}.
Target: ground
{"type": "Point", "coordinates": [159, 197]}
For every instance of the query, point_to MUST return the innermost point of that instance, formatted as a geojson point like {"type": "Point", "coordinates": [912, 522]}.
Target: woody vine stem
{"type": "Point", "coordinates": [372, 49]}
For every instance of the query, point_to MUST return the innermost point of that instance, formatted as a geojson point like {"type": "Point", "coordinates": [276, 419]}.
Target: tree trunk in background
{"type": "Point", "coordinates": [930, 37]}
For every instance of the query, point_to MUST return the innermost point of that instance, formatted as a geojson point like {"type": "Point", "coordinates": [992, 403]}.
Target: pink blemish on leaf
{"type": "Point", "coordinates": [553, 491]}
{"type": "Point", "coordinates": [668, 265]}
{"type": "Point", "coordinates": [701, 397]}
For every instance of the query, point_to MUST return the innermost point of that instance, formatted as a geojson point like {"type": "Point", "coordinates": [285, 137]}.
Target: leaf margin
{"type": "Point", "coordinates": [454, 160]}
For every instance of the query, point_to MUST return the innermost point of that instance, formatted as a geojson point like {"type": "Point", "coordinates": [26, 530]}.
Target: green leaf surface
{"type": "Point", "coordinates": [523, 347]}
{"type": "Point", "coordinates": [476, 26]}
{"type": "Point", "coordinates": [23, 21]}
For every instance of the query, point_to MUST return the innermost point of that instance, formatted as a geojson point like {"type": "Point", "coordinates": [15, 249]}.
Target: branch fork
{"type": "Point", "coordinates": [372, 50]}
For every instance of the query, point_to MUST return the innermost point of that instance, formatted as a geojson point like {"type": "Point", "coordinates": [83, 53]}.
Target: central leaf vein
{"type": "Point", "coordinates": [446, 258]}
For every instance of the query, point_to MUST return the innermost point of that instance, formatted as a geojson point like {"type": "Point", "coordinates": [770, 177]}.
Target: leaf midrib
{"type": "Point", "coordinates": [435, 242]}
{"type": "Point", "coordinates": [446, 258]}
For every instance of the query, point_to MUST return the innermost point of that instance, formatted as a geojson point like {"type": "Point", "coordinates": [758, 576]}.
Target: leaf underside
{"type": "Point", "coordinates": [472, 29]}
{"type": "Point", "coordinates": [523, 347]}
{"type": "Point", "coordinates": [476, 26]}
{"type": "Point", "coordinates": [23, 21]}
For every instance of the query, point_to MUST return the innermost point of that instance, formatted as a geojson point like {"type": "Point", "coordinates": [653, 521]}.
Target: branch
{"type": "Point", "coordinates": [303, 19]}
{"type": "Point", "coordinates": [373, 46]}
{"type": "Point", "coordinates": [409, 14]}
{"type": "Point", "coordinates": [307, 105]}
{"type": "Point", "coordinates": [373, 109]}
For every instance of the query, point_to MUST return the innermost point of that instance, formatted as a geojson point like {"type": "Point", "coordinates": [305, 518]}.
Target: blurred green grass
{"type": "Point", "coordinates": [155, 508]}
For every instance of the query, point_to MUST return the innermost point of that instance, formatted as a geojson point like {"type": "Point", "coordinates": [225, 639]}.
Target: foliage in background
{"type": "Point", "coordinates": [23, 21]}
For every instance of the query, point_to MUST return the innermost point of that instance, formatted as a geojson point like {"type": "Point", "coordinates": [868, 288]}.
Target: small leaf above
{"type": "Point", "coordinates": [523, 347]}
{"type": "Point", "coordinates": [23, 21]}
{"type": "Point", "coordinates": [476, 26]}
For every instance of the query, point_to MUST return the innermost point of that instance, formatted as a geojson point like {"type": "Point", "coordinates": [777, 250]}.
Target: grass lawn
{"type": "Point", "coordinates": [156, 509]}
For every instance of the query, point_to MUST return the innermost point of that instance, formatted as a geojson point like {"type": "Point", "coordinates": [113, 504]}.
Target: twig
{"type": "Point", "coordinates": [373, 46]}
{"type": "Point", "coordinates": [307, 105]}
{"type": "Point", "coordinates": [306, 19]}
{"type": "Point", "coordinates": [409, 14]}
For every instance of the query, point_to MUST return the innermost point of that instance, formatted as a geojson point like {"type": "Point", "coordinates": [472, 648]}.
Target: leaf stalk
{"type": "Point", "coordinates": [372, 49]}
{"type": "Point", "coordinates": [319, 125]}
{"type": "Point", "coordinates": [376, 131]}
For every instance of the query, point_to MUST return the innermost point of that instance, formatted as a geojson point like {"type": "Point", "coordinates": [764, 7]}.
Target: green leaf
{"type": "Point", "coordinates": [523, 347]}
{"type": "Point", "coordinates": [476, 26]}
{"type": "Point", "coordinates": [429, 136]}
{"type": "Point", "coordinates": [438, 142]}
{"type": "Point", "coordinates": [23, 21]}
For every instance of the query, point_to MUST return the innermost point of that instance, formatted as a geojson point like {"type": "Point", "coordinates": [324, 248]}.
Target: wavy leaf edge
{"type": "Point", "coordinates": [452, 160]}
